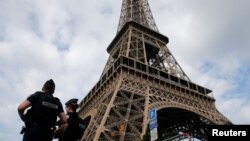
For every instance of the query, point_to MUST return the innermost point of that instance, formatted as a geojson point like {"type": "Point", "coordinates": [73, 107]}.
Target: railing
{"type": "Point", "coordinates": [150, 72]}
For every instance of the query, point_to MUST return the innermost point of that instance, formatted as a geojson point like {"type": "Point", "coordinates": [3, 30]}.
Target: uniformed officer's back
{"type": "Point", "coordinates": [41, 117]}
{"type": "Point", "coordinates": [44, 110]}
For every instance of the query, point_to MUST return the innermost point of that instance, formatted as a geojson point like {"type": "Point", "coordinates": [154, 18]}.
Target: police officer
{"type": "Point", "coordinates": [75, 127]}
{"type": "Point", "coordinates": [41, 117]}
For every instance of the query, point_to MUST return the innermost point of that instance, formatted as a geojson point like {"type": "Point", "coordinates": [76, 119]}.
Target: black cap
{"type": "Point", "coordinates": [73, 101]}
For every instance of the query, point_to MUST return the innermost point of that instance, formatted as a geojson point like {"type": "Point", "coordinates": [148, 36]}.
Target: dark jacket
{"type": "Point", "coordinates": [75, 128]}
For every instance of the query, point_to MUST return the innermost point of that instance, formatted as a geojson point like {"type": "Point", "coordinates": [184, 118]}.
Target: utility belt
{"type": "Point", "coordinates": [41, 127]}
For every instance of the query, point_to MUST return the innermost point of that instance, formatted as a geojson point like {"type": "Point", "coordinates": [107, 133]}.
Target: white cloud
{"type": "Point", "coordinates": [210, 40]}
{"type": "Point", "coordinates": [236, 109]}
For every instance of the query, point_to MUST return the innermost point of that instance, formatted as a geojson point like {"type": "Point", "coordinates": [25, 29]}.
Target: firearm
{"type": "Point", "coordinates": [27, 121]}
{"type": "Point", "coordinates": [56, 136]}
{"type": "Point", "coordinates": [23, 129]}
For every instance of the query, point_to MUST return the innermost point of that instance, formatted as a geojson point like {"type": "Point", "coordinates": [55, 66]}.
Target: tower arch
{"type": "Point", "coordinates": [141, 73]}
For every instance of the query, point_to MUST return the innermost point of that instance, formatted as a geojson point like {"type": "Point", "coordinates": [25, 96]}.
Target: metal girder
{"type": "Point", "coordinates": [130, 112]}
{"type": "Point", "coordinates": [141, 73]}
{"type": "Point", "coordinates": [138, 11]}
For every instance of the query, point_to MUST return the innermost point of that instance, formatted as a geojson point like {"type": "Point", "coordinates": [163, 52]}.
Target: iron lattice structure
{"type": "Point", "coordinates": [140, 74]}
{"type": "Point", "coordinates": [137, 11]}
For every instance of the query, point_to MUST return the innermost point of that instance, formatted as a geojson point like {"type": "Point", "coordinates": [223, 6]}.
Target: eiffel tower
{"type": "Point", "coordinates": [141, 73]}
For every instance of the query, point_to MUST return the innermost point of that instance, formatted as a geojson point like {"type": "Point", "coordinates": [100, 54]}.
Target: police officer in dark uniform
{"type": "Point", "coordinates": [41, 117]}
{"type": "Point", "coordinates": [75, 127]}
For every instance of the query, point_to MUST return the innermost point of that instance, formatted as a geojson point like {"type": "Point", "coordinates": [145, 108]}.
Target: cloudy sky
{"type": "Point", "coordinates": [67, 40]}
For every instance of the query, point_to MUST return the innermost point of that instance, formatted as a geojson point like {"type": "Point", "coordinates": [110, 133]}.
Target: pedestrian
{"type": "Point", "coordinates": [75, 126]}
{"type": "Point", "coordinates": [41, 118]}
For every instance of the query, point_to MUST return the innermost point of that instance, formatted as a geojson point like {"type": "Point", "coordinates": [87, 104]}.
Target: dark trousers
{"type": "Point", "coordinates": [35, 133]}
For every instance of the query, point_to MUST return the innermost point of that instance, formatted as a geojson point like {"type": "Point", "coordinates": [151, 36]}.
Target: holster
{"type": "Point", "coordinates": [23, 130]}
